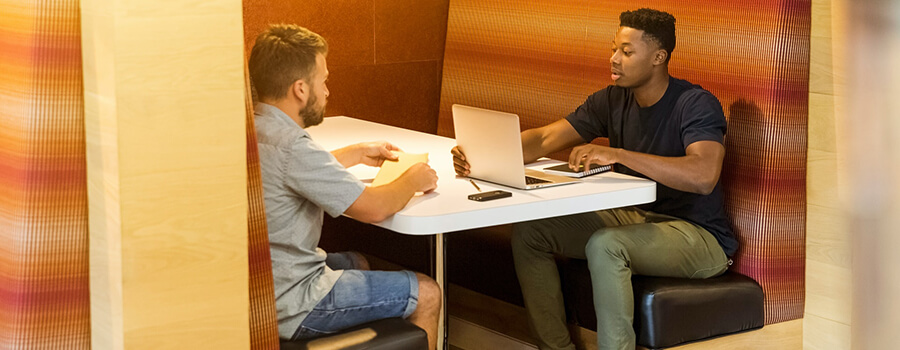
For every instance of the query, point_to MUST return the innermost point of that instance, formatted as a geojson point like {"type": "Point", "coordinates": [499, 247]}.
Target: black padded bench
{"type": "Point", "coordinates": [673, 311]}
{"type": "Point", "coordinates": [386, 334]}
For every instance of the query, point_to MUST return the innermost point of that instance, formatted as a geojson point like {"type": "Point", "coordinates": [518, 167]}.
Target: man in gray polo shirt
{"type": "Point", "coordinates": [318, 293]}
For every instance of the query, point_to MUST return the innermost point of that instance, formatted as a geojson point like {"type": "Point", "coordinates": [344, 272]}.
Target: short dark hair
{"type": "Point", "coordinates": [657, 25]}
{"type": "Point", "coordinates": [283, 54]}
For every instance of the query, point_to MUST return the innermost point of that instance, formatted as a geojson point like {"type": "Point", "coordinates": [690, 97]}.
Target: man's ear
{"type": "Point", "coordinates": [661, 56]}
{"type": "Point", "coordinates": [300, 90]}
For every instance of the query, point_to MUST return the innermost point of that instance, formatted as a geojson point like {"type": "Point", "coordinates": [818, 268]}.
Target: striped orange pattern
{"type": "Point", "coordinates": [263, 317]}
{"type": "Point", "coordinates": [44, 283]}
{"type": "Point", "coordinates": [542, 59]}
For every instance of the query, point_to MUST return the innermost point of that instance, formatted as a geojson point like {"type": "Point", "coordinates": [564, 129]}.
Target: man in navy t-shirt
{"type": "Point", "coordinates": [659, 127]}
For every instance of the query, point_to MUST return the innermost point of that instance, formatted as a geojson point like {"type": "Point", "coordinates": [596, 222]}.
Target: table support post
{"type": "Point", "coordinates": [440, 269]}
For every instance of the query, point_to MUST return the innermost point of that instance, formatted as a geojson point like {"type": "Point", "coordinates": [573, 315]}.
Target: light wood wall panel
{"type": "Point", "coordinates": [827, 318]}
{"type": "Point", "coordinates": [167, 183]}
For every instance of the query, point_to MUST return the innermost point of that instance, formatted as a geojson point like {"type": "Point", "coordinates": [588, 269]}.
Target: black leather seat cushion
{"type": "Point", "coordinates": [386, 334]}
{"type": "Point", "coordinates": [672, 311]}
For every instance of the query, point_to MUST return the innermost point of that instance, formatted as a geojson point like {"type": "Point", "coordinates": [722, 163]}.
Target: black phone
{"type": "Point", "coordinates": [490, 195]}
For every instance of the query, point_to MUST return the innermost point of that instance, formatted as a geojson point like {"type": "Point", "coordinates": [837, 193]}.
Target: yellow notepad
{"type": "Point", "coordinates": [391, 170]}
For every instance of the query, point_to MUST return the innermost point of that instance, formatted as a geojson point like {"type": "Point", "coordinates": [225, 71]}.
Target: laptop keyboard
{"type": "Point", "coordinates": [533, 180]}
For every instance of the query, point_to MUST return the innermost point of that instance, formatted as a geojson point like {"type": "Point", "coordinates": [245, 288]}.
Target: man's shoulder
{"type": "Point", "coordinates": [690, 90]}
{"type": "Point", "coordinates": [693, 95]}
{"type": "Point", "coordinates": [611, 94]}
{"type": "Point", "coordinates": [271, 130]}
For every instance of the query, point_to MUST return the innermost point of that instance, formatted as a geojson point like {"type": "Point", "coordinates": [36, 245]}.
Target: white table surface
{"type": "Point", "coordinates": [448, 209]}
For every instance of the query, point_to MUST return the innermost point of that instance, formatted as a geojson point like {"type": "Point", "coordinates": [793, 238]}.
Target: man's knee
{"type": "Point", "coordinates": [527, 237]}
{"type": "Point", "coordinates": [430, 295]}
{"type": "Point", "coordinates": [606, 244]}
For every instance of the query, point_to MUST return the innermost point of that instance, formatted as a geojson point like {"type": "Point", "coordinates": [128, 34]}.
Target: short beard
{"type": "Point", "coordinates": [310, 115]}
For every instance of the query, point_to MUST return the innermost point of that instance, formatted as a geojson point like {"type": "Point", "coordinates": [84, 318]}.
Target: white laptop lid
{"type": "Point", "coordinates": [492, 144]}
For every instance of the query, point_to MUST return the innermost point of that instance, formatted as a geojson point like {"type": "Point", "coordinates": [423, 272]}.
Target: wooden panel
{"type": "Point", "coordinates": [829, 301]}
{"type": "Point", "coordinates": [778, 336]}
{"type": "Point", "coordinates": [823, 334]}
{"type": "Point", "coordinates": [101, 124]}
{"type": "Point", "coordinates": [828, 291]}
{"type": "Point", "coordinates": [822, 132]}
{"type": "Point", "coordinates": [823, 180]}
{"type": "Point", "coordinates": [821, 72]}
{"type": "Point", "coordinates": [831, 244]}
{"type": "Point", "coordinates": [164, 117]}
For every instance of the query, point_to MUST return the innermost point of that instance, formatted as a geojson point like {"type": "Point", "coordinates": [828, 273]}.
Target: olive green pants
{"type": "Point", "coordinates": [616, 243]}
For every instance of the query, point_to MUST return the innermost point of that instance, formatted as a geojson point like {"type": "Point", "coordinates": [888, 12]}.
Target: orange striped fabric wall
{"type": "Point", "coordinates": [542, 59]}
{"type": "Point", "coordinates": [263, 317]}
{"type": "Point", "coordinates": [44, 285]}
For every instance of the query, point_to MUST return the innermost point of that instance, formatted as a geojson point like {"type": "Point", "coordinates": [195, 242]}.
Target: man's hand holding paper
{"type": "Point", "coordinates": [392, 169]}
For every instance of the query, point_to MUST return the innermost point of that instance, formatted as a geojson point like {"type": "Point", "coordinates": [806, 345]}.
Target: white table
{"type": "Point", "coordinates": [448, 209]}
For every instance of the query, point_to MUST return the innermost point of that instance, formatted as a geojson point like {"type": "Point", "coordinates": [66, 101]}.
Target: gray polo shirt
{"type": "Point", "coordinates": [300, 181]}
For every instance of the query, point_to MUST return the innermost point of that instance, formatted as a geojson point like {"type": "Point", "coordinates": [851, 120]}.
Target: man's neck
{"type": "Point", "coordinates": [288, 108]}
{"type": "Point", "coordinates": [650, 93]}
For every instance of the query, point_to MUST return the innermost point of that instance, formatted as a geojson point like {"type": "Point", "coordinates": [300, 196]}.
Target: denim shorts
{"type": "Point", "coordinates": [361, 296]}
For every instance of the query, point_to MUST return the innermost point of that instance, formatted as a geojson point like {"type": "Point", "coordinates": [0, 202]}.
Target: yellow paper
{"type": "Point", "coordinates": [391, 170]}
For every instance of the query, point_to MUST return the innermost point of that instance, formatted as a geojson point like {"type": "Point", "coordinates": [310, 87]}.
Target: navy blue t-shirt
{"type": "Point", "coordinates": [685, 114]}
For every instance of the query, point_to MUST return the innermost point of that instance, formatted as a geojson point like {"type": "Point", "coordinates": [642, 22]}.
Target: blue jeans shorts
{"type": "Point", "coordinates": [361, 296]}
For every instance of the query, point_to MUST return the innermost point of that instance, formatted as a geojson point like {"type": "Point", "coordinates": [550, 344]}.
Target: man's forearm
{"type": "Point", "coordinates": [347, 156]}
{"type": "Point", "coordinates": [539, 142]}
{"type": "Point", "coordinates": [376, 204]}
{"type": "Point", "coordinates": [691, 173]}
{"type": "Point", "coordinates": [531, 145]}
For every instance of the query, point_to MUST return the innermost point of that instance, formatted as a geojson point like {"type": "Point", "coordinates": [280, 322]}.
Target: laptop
{"type": "Point", "coordinates": [492, 144]}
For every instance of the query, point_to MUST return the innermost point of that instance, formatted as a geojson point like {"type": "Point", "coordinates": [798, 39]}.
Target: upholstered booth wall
{"type": "Point", "coordinates": [384, 55]}
{"type": "Point", "coordinates": [263, 317]}
{"type": "Point", "coordinates": [542, 59]}
{"type": "Point", "coordinates": [44, 282]}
